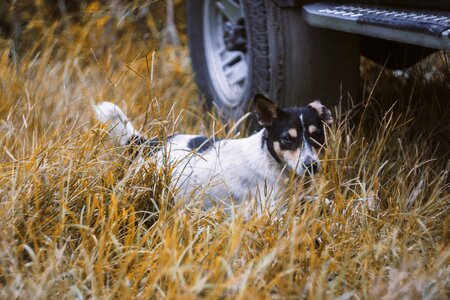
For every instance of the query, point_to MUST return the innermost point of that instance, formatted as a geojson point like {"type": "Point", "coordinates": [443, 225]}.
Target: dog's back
{"type": "Point", "coordinates": [219, 169]}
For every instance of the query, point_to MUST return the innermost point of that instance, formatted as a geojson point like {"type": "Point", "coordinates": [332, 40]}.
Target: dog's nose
{"type": "Point", "coordinates": [312, 167]}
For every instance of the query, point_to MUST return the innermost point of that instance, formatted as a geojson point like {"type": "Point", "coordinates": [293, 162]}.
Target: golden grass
{"type": "Point", "coordinates": [75, 223]}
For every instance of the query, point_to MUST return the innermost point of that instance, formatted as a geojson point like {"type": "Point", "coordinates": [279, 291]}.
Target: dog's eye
{"type": "Point", "coordinates": [287, 139]}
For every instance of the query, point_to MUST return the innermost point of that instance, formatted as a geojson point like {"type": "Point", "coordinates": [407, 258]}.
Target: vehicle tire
{"type": "Point", "coordinates": [283, 57]}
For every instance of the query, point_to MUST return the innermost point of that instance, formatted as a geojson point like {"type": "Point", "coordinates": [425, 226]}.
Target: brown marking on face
{"type": "Point", "coordinates": [293, 132]}
{"type": "Point", "coordinates": [290, 157]}
{"type": "Point", "coordinates": [312, 129]}
{"type": "Point", "coordinates": [277, 149]}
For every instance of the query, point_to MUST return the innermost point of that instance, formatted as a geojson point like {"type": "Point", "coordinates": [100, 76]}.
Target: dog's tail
{"type": "Point", "coordinates": [120, 127]}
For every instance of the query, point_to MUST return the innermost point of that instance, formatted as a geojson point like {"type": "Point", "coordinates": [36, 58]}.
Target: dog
{"type": "Point", "coordinates": [235, 169]}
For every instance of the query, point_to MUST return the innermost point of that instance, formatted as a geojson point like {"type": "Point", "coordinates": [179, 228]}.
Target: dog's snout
{"type": "Point", "coordinates": [314, 167]}
{"type": "Point", "coordinates": [311, 166]}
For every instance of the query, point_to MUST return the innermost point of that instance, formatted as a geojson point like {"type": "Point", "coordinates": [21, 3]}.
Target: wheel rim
{"type": "Point", "coordinates": [228, 69]}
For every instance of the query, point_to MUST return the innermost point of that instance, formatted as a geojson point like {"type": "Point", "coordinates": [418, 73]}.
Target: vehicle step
{"type": "Point", "coordinates": [419, 27]}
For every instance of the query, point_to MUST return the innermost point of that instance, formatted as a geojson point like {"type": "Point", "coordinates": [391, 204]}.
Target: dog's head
{"type": "Point", "coordinates": [294, 135]}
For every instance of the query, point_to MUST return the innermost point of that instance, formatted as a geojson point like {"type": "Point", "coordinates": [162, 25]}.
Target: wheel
{"type": "Point", "coordinates": [240, 48]}
{"type": "Point", "coordinates": [218, 45]}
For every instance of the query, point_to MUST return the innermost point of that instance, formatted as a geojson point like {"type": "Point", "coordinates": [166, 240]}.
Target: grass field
{"type": "Point", "coordinates": [74, 224]}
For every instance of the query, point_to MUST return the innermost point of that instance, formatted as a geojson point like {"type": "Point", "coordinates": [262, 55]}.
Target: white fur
{"type": "Point", "coordinates": [120, 127]}
{"type": "Point", "coordinates": [234, 168]}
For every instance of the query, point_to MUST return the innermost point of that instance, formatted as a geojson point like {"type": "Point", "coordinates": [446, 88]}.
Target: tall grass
{"type": "Point", "coordinates": [76, 222]}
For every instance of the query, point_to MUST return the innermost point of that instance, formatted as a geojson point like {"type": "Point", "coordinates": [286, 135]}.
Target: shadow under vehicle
{"type": "Point", "coordinates": [295, 51]}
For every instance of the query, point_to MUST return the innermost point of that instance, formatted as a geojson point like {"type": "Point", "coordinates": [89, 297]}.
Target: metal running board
{"type": "Point", "coordinates": [419, 27]}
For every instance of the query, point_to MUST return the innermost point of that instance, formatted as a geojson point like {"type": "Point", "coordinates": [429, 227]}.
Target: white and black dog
{"type": "Point", "coordinates": [235, 169]}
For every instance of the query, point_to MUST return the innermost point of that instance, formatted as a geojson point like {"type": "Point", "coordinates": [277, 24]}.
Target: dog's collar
{"type": "Point", "coordinates": [271, 150]}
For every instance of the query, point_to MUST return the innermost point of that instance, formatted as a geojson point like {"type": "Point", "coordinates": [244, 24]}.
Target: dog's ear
{"type": "Point", "coordinates": [266, 110]}
{"type": "Point", "coordinates": [324, 113]}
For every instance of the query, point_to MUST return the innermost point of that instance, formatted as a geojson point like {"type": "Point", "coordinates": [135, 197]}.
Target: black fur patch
{"type": "Point", "coordinates": [272, 151]}
{"type": "Point", "coordinates": [148, 146]}
{"type": "Point", "coordinates": [201, 143]}
{"type": "Point", "coordinates": [141, 141]}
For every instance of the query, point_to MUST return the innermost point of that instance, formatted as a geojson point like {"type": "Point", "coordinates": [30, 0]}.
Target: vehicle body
{"type": "Point", "coordinates": [295, 51]}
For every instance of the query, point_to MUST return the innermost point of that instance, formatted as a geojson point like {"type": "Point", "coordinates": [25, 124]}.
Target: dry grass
{"type": "Point", "coordinates": [74, 224]}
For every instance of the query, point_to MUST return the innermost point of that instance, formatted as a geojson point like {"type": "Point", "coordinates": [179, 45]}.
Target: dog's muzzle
{"type": "Point", "coordinates": [311, 167]}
